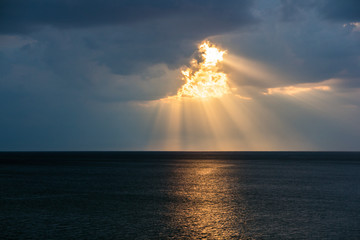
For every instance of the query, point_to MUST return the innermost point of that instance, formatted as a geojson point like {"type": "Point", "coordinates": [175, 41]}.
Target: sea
{"type": "Point", "coordinates": [180, 195]}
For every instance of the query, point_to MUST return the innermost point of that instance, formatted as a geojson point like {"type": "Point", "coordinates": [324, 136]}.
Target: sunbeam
{"type": "Point", "coordinates": [211, 111]}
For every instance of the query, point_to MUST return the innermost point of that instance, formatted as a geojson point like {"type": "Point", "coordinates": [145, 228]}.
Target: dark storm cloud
{"type": "Point", "coordinates": [125, 36]}
{"type": "Point", "coordinates": [23, 16]}
{"type": "Point", "coordinates": [291, 10]}
{"type": "Point", "coordinates": [348, 10]}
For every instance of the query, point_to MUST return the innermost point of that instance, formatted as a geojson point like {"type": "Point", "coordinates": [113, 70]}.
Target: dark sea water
{"type": "Point", "coordinates": [177, 195]}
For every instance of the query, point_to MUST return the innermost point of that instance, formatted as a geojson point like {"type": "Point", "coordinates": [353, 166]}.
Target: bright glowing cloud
{"type": "Point", "coordinates": [242, 97]}
{"type": "Point", "coordinates": [204, 78]}
{"type": "Point", "coordinates": [300, 88]}
{"type": "Point", "coordinates": [354, 25]}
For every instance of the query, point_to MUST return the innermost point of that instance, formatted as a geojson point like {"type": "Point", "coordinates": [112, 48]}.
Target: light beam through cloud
{"type": "Point", "coordinates": [212, 112]}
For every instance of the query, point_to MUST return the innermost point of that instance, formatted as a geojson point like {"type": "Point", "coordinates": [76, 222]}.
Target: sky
{"type": "Point", "coordinates": [102, 75]}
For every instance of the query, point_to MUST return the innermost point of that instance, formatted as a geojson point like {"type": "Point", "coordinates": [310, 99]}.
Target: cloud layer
{"type": "Point", "coordinates": [185, 16]}
{"type": "Point", "coordinates": [72, 73]}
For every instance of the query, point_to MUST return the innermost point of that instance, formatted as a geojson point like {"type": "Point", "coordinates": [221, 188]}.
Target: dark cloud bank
{"type": "Point", "coordinates": [18, 16]}
{"type": "Point", "coordinates": [335, 10]}
{"type": "Point", "coordinates": [125, 36]}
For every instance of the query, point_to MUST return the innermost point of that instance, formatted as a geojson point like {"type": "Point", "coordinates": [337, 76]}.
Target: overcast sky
{"type": "Point", "coordinates": [77, 75]}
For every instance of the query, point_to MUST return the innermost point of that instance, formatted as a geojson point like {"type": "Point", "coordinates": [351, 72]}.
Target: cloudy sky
{"type": "Point", "coordinates": [91, 75]}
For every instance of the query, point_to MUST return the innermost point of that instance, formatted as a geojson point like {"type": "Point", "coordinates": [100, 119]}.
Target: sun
{"type": "Point", "coordinates": [204, 78]}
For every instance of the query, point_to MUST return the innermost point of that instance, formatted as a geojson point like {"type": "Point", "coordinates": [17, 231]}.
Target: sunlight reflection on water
{"type": "Point", "coordinates": [206, 205]}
